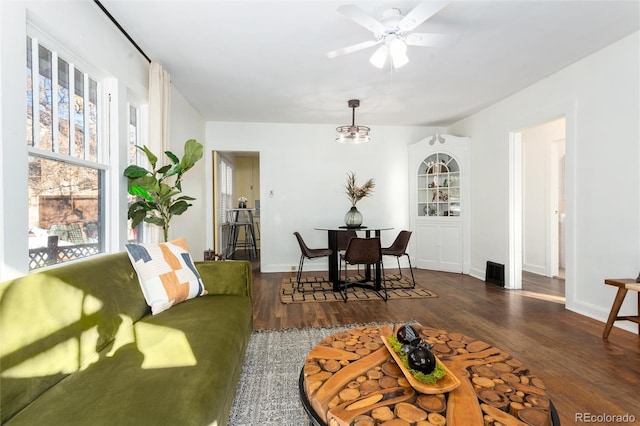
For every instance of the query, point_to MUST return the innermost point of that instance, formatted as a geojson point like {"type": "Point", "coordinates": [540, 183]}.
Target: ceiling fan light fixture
{"type": "Point", "coordinates": [399, 60]}
{"type": "Point", "coordinates": [379, 57]}
{"type": "Point", "coordinates": [398, 51]}
{"type": "Point", "coordinates": [396, 46]}
{"type": "Point", "coordinates": [352, 133]}
{"type": "Point", "coordinates": [394, 31]}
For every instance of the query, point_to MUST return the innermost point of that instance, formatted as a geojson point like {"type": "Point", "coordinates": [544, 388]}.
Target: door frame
{"type": "Point", "coordinates": [513, 278]}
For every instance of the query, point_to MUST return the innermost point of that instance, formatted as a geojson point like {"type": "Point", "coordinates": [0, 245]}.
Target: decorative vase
{"type": "Point", "coordinates": [353, 218]}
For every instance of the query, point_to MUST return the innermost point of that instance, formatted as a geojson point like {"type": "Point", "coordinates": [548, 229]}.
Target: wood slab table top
{"type": "Point", "coordinates": [350, 378]}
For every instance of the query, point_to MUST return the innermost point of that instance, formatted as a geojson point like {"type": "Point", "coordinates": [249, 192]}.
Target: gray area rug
{"type": "Point", "coordinates": [268, 390]}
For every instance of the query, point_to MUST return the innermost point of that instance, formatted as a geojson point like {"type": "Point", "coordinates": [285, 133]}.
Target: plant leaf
{"type": "Point", "coordinates": [155, 220]}
{"type": "Point", "coordinates": [193, 151]}
{"type": "Point", "coordinates": [139, 191]}
{"type": "Point", "coordinates": [165, 190]}
{"type": "Point", "coordinates": [162, 170]}
{"type": "Point", "coordinates": [179, 207]}
{"type": "Point", "coordinates": [148, 182]}
{"type": "Point", "coordinates": [165, 194]}
{"type": "Point", "coordinates": [173, 170]}
{"type": "Point", "coordinates": [173, 157]}
{"type": "Point", "coordinates": [137, 218]}
{"type": "Point", "coordinates": [134, 171]}
{"type": "Point", "coordinates": [150, 156]}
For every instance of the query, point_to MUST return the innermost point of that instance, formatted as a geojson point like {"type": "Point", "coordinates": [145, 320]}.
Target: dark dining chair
{"type": "Point", "coordinates": [308, 253]}
{"type": "Point", "coordinates": [398, 249]}
{"type": "Point", "coordinates": [366, 252]}
{"type": "Point", "coordinates": [344, 237]}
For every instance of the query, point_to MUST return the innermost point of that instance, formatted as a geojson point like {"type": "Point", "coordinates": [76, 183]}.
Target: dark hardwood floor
{"type": "Point", "coordinates": [584, 374]}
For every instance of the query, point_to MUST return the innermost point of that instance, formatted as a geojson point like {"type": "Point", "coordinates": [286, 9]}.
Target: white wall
{"type": "Point", "coordinates": [87, 37]}
{"type": "Point", "coordinates": [307, 170]}
{"type": "Point", "coordinates": [600, 97]}
{"type": "Point", "coordinates": [187, 123]}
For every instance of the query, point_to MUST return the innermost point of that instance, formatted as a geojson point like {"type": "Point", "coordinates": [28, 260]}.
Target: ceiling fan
{"type": "Point", "coordinates": [393, 32]}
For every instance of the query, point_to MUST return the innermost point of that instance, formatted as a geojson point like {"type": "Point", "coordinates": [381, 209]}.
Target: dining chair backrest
{"type": "Point", "coordinates": [303, 247]}
{"type": "Point", "coordinates": [343, 239]}
{"type": "Point", "coordinates": [363, 251]}
{"type": "Point", "coordinates": [399, 246]}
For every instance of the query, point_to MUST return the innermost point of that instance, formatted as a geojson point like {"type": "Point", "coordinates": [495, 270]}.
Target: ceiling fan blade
{"type": "Point", "coordinates": [419, 14]}
{"type": "Point", "coordinates": [359, 16]}
{"type": "Point", "coordinates": [353, 48]}
{"type": "Point", "coordinates": [429, 39]}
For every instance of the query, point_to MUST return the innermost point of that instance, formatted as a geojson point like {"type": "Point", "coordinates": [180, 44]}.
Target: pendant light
{"type": "Point", "coordinates": [352, 133]}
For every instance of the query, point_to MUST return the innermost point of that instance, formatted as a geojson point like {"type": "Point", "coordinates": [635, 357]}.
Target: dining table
{"type": "Point", "coordinates": [334, 259]}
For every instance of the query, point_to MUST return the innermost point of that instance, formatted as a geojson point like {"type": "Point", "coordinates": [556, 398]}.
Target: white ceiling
{"type": "Point", "coordinates": [265, 61]}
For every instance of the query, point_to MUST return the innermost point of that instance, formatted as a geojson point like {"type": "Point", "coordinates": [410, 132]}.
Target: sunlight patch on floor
{"type": "Point", "coordinates": [542, 296]}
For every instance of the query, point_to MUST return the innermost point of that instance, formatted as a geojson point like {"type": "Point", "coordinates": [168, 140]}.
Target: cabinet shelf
{"type": "Point", "coordinates": [439, 186]}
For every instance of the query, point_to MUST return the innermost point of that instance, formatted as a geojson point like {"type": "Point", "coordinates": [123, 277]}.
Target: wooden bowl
{"type": "Point", "coordinates": [448, 383]}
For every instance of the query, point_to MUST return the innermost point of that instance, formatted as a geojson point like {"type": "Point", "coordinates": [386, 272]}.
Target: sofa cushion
{"type": "Point", "coordinates": [177, 368]}
{"type": "Point", "coordinates": [55, 321]}
{"type": "Point", "coordinates": [166, 273]}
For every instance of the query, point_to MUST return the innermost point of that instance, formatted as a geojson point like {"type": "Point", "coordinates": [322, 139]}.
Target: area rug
{"type": "Point", "coordinates": [318, 289]}
{"type": "Point", "coordinates": [267, 393]}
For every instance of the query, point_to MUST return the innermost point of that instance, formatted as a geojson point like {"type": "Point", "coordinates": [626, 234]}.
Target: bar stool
{"type": "Point", "coordinates": [241, 219]}
{"type": "Point", "coordinates": [623, 285]}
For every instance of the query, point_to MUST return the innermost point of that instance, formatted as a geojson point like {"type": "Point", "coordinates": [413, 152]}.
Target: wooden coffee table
{"type": "Point", "coordinates": [350, 378]}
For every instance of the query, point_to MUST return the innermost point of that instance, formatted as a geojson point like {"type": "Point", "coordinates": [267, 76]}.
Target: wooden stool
{"type": "Point", "coordinates": [623, 285]}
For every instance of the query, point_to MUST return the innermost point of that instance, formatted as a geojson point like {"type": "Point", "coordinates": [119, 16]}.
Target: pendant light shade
{"type": "Point", "coordinates": [353, 133]}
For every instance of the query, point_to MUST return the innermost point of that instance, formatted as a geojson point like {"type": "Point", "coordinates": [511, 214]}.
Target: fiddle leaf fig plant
{"type": "Point", "coordinates": [158, 190]}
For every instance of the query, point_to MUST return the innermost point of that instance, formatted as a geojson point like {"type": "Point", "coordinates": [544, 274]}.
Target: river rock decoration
{"type": "Point", "coordinates": [351, 379]}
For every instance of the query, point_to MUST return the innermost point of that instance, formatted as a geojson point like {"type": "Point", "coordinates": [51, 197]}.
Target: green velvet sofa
{"type": "Point", "coordinates": [79, 346]}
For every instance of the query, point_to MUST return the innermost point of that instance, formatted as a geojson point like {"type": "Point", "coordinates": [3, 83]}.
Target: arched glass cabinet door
{"type": "Point", "coordinates": [439, 186]}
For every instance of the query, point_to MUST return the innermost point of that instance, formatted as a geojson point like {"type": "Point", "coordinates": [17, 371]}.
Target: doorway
{"type": "Point", "coordinates": [236, 178]}
{"type": "Point", "coordinates": [542, 181]}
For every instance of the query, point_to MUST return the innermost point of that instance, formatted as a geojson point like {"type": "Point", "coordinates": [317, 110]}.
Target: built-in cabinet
{"type": "Point", "coordinates": [439, 186]}
{"type": "Point", "coordinates": [439, 197]}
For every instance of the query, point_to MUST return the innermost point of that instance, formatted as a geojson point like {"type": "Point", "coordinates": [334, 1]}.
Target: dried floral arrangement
{"type": "Point", "coordinates": [354, 192]}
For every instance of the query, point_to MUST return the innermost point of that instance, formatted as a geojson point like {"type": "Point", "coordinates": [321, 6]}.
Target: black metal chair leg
{"type": "Point", "coordinates": [413, 280]}
{"type": "Point", "coordinates": [299, 275]}
{"type": "Point", "coordinates": [383, 281]}
{"type": "Point", "coordinates": [399, 269]}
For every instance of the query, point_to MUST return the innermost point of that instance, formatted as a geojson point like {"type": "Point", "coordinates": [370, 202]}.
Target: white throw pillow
{"type": "Point", "coordinates": [166, 273]}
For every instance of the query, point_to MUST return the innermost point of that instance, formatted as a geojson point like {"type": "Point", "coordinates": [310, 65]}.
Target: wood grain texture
{"type": "Point", "coordinates": [355, 388]}
{"type": "Point", "coordinates": [582, 372]}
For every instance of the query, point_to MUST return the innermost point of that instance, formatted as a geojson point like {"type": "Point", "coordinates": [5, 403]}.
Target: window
{"type": "Point", "coordinates": [226, 189]}
{"type": "Point", "coordinates": [133, 135]}
{"type": "Point", "coordinates": [66, 177]}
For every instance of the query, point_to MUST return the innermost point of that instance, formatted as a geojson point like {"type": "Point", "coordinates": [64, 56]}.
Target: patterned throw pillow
{"type": "Point", "coordinates": [166, 273]}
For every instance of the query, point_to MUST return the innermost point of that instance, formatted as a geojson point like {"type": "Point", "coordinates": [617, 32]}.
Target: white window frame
{"type": "Point", "coordinates": [142, 120]}
{"type": "Point", "coordinates": [226, 188]}
{"type": "Point", "coordinates": [101, 164]}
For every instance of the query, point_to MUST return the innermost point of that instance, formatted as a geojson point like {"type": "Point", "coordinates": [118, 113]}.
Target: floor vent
{"type": "Point", "coordinates": [494, 273]}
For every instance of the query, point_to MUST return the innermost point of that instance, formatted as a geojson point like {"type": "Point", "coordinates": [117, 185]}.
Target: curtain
{"type": "Point", "coordinates": [159, 109]}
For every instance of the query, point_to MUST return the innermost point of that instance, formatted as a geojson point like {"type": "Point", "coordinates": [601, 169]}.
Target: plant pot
{"type": "Point", "coordinates": [353, 218]}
